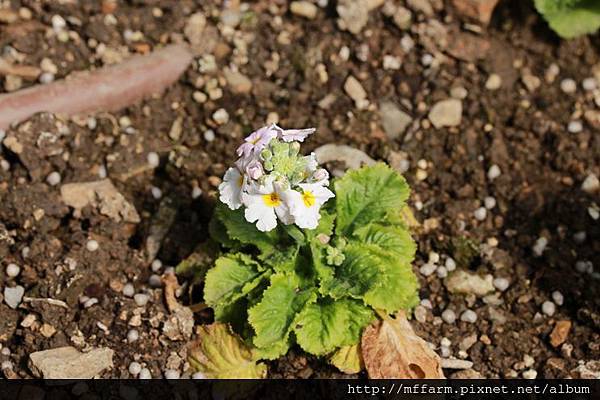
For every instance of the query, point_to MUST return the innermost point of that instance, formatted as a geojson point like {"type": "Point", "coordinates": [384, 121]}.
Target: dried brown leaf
{"type": "Point", "coordinates": [391, 349]}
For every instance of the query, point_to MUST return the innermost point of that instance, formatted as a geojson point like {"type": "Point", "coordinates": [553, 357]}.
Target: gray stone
{"type": "Point", "coordinates": [446, 113]}
{"type": "Point", "coordinates": [452, 363]}
{"type": "Point", "coordinates": [394, 120]}
{"type": "Point", "coordinates": [13, 296]}
{"type": "Point", "coordinates": [351, 157]}
{"type": "Point", "coordinates": [69, 363]}
{"type": "Point", "coordinates": [354, 15]}
{"type": "Point", "coordinates": [464, 282]}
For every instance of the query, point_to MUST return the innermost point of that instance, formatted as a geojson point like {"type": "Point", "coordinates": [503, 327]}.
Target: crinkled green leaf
{"type": "Point", "coordinates": [396, 286]}
{"type": "Point", "coordinates": [323, 326]}
{"type": "Point", "coordinates": [571, 18]}
{"type": "Point", "coordinates": [367, 195]}
{"type": "Point", "coordinates": [272, 318]}
{"type": "Point", "coordinates": [241, 230]}
{"type": "Point", "coordinates": [347, 359]}
{"type": "Point", "coordinates": [284, 260]}
{"type": "Point", "coordinates": [220, 354]}
{"type": "Point", "coordinates": [233, 276]}
{"type": "Point", "coordinates": [323, 271]}
{"type": "Point", "coordinates": [357, 274]}
{"type": "Point", "coordinates": [394, 239]}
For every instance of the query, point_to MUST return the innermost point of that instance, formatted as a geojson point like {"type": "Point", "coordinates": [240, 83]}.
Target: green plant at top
{"type": "Point", "coordinates": [300, 263]}
{"type": "Point", "coordinates": [571, 18]}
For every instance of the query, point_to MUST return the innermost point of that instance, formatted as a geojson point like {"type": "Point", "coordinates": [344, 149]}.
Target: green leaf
{"type": "Point", "coordinates": [367, 195]}
{"type": "Point", "coordinates": [357, 274]}
{"type": "Point", "coordinates": [570, 18]}
{"type": "Point", "coordinates": [397, 286]}
{"type": "Point", "coordinates": [241, 230]}
{"type": "Point", "coordinates": [395, 240]}
{"type": "Point", "coordinates": [283, 261]}
{"type": "Point", "coordinates": [233, 276]}
{"type": "Point", "coordinates": [325, 226]}
{"type": "Point", "coordinates": [272, 318]}
{"type": "Point", "coordinates": [220, 354]}
{"type": "Point", "coordinates": [347, 359]}
{"type": "Point", "coordinates": [323, 326]}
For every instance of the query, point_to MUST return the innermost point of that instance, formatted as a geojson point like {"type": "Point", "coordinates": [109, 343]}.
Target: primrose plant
{"type": "Point", "coordinates": [300, 262]}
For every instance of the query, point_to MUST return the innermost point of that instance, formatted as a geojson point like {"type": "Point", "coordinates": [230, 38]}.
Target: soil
{"type": "Point", "coordinates": [522, 131]}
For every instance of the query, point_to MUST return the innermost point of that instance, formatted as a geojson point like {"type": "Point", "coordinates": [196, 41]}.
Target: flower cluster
{"type": "Point", "coordinates": [273, 181]}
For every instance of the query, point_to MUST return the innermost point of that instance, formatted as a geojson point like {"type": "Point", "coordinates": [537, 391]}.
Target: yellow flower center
{"type": "Point", "coordinates": [240, 181]}
{"type": "Point", "coordinates": [272, 199]}
{"type": "Point", "coordinates": [309, 199]}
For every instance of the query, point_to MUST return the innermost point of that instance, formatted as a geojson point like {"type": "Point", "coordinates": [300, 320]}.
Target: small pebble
{"type": "Point", "coordinates": [575, 127]}
{"type": "Point", "coordinates": [196, 192]}
{"type": "Point", "coordinates": [434, 257]}
{"type": "Point", "coordinates": [558, 298]}
{"type": "Point", "coordinates": [145, 374]}
{"type": "Point", "coordinates": [589, 84]}
{"type": "Point", "coordinates": [580, 237]}
{"type": "Point", "coordinates": [493, 82]}
{"type": "Point", "coordinates": [128, 290]}
{"type": "Point", "coordinates": [421, 314]}
{"type": "Point", "coordinates": [53, 178]}
{"type": "Point", "coordinates": [449, 316]}
{"type": "Point", "coordinates": [540, 246]}
{"type": "Point", "coordinates": [156, 192]}
{"type": "Point", "coordinates": [493, 172]}
{"type": "Point", "coordinates": [135, 368]}
{"type": "Point", "coordinates": [198, 375]}
{"type": "Point", "coordinates": [480, 214]}
{"type": "Point", "coordinates": [209, 135]}
{"type": "Point", "coordinates": [583, 267]}
{"type": "Point", "coordinates": [568, 85]}
{"type": "Point", "coordinates": [172, 374]}
{"type": "Point", "coordinates": [92, 245]}
{"type": "Point", "coordinates": [489, 202]}
{"type": "Point", "coordinates": [445, 342]}
{"type": "Point", "coordinates": [156, 265]}
{"type": "Point", "coordinates": [155, 281]}
{"type": "Point", "coordinates": [6, 365]}
{"type": "Point", "coordinates": [442, 272]}
{"type": "Point", "coordinates": [221, 116]}
{"type": "Point", "coordinates": [590, 184]}
{"type": "Point", "coordinates": [427, 269]}
{"type": "Point", "coordinates": [450, 264]}
{"type": "Point", "coordinates": [468, 316]}
{"type": "Point", "coordinates": [548, 308]}
{"type": "Point", "coordinates": [5, 351]}
{"type": "Point", "coordinates": [530, 374]}
{"type": "Point", "coordinates": [46, 77]}
{"type": "Point", "coordinates": [141, 299]}
{"type": "Point", "coordinates": [58, 23]}
{"type": "Point", "coordinates": [153, 159]}
{"type": "Point", "coordinates": [13, 270]}
{"type": "Point", "coordinates": [90, 302]}
{"type": "Point", "coordinates": [102, 172]}
{"type": "Point", "coordinates": [426, 303]}
{"type": "Point", "coordinates": [132, 335]}
{"type": "Point", "coordinates": [5, 165]}
{"type": "Point", "coordinates": [501, 284]}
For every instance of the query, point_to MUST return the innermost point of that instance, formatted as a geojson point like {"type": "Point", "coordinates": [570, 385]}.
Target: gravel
{"type": "Point", "coordinates": [53, 178]}
{"type": "Point", "coordinates": [590, 184]}
{"type": "Point", "coordinates": [468, 316]}
{"type": "Point", "coordinates": [539, 246]}
{"type": "Point", "coordinates": [172, 374]}
{"type": "Point", "coordinates": [13, 270]}
{"type": "Point", "coordinates": [568, 85]}
{"type": "Point", "coordinates": [480, 214]}
{"type": "Point", "coordinates": [548, 308]}
{"type": "Point", "coordinates": [448, 316]}
{"type": "Point", "coordinates": [450, 264]}
{"type": "Point", "coordinates": [156, 265]}
{"type": "Point", "coordinates": [153, 159]}
{"type": "Point", "coordinates": [128, 290]}
{"type": "Point", "coordinates": [575, 127]}
{"type": "Point", "coordinates": [132, 335]}
{"type": "Point", "coordinates": [446, 113]}
{"type": "Point", "coordinates": [501, 284]}
{"type": "Point", "coordinates": [92, 245]}
{"type": "Point", "coordinates": [427, 269]}
{"type": "Point", "coordinates": [155, 281]}
{"type": "Point", "coordinates": [489, 202]}
{"type": "Point", "coordinates": [135, 368]}
{"type": "Point", "coordinates": [493, 172]}
{"type": "Point", "coordinates": [13, 296]}
{"type": "Point", "coordinates": [589, 84]}
{"type": "Point", "coordinates": [558, 298]}
{"type": "Point", "coordinates": [198, 375]}
{"type": "Point", "coordinates": [141, 299]}
{"type": "Point", "coordinates": [145, 374]}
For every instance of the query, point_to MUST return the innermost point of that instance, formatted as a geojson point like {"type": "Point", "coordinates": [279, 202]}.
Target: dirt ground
{"type": "Point", "coordinates": [523, 150]}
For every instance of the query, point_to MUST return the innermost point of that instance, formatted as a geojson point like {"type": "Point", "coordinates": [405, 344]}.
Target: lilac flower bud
{"type": "Point", "coordinates": [254, 169]}
{"type": "Point", "coordinates": [320, 174]}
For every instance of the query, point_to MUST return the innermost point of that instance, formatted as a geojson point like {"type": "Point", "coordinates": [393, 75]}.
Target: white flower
{"type": "Point", "coordinates": [254, 169]}
{"type": "Point", "coordinates": [257, 140]}
{"type": "Point", "coordinates": [295, 135]}
{"type": "Point", "coordinates": [305, 206]}
{"type": "Point", "coordinates": [230, 190]}
{"type": "Point", "coordinates": [264, 203]}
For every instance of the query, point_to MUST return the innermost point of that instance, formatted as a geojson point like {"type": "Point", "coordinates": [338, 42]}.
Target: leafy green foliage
{"type": "Point", "coordinates": [318, 288]}
{"type": "Point", "coordinates": [571, 18]}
